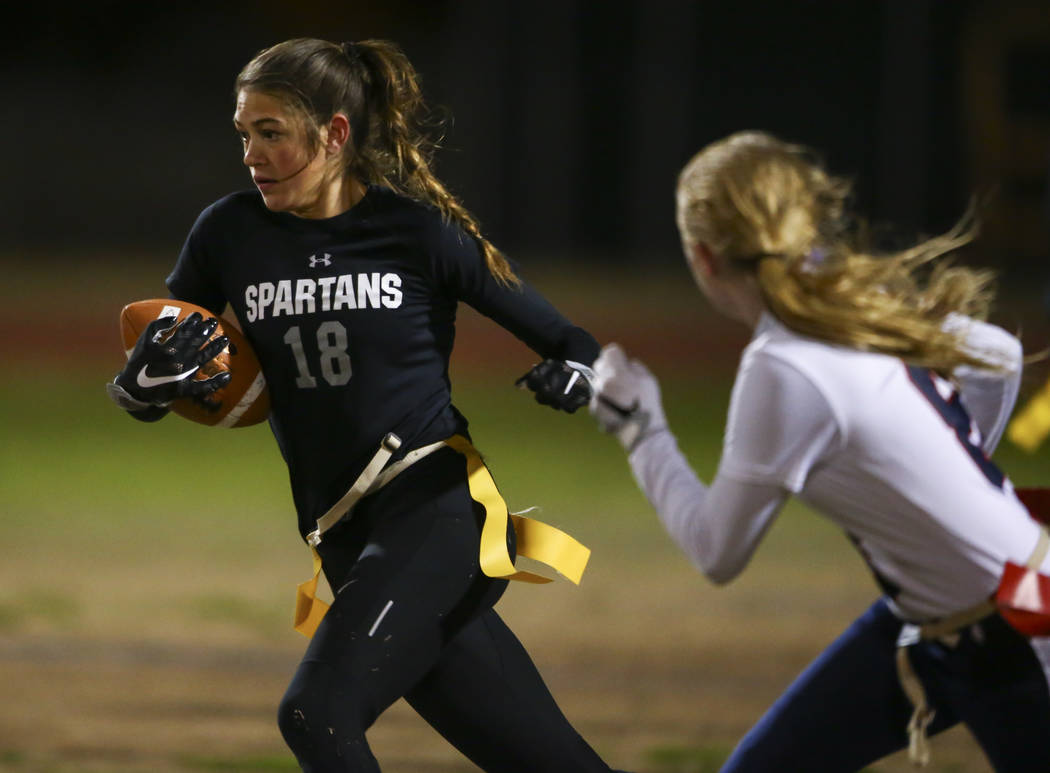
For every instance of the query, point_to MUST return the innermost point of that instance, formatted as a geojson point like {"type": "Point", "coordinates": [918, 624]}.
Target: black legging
{"type": "Point", "coordinates": [413, 617]}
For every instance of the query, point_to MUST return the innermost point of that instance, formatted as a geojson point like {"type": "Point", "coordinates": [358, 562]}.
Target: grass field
{"type": "Point", "coordinates": [148, 571]}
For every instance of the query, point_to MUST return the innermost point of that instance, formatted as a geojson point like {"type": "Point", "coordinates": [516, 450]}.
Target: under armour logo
{"type": "Point", "coordinates": [315, 261]}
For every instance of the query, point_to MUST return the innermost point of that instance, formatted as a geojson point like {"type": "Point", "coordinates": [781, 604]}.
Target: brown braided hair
{"type": "Point", "coordinates": [375, 85]}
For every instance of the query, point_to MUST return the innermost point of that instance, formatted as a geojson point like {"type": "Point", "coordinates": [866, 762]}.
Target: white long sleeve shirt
{"type": "Point", "coordinates": [885, 451]}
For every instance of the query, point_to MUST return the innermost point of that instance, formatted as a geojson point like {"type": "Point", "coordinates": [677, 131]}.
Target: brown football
{"type": "Point", "coordinates": [244, 401]}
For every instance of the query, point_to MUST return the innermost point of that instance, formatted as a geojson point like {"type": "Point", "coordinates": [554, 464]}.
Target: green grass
{"type": "Point", "coordinates": [71, 464]}
{"type": "Point", "coordinates": [262, 617]}
{"type": "Point", "coordinates": [67, 450]}
{"type": "Point", "coordinates": [679, 759]}
{"type": "Point", "coordinates": [54, 608]}
{"type": "Point", "coordinates": [85, 488]}
{"type": "Point", "coordinates": [11, 757]}
{"type": "Point", "coordinates": [198, 522]}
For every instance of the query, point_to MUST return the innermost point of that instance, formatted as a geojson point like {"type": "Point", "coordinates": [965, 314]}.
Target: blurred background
{"type": "Point", "coordinates": [146, 572]}
{"type": "Point", "coordinates": [570, 118]}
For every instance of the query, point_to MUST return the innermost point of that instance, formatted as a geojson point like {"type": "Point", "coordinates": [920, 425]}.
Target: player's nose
{"type": "Point", "coordinates": [252, 157]}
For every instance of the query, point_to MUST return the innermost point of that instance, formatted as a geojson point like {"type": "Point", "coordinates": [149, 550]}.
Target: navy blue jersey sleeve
{"type": "Point", "coordinates": [195, 276]}
{"type": "Point", "coordinates": [460, 268]}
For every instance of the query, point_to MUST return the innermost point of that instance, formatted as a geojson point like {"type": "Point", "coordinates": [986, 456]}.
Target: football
{"type": "Point", "coordinates": [242, 402]}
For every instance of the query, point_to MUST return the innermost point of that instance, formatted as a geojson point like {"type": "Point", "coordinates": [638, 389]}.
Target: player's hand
{"type": "Point", "coordinates": [627, 400]}
{"type": "Point", "coordinates": [161, 366]}
{"type": "Point", "coordinates": [565, 385]}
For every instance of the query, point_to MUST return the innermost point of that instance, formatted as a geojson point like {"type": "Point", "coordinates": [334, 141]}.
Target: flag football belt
{"type": "Point", "coordinates": [1021, 589]}
{"type": "Point", "coordinates": [535, 539]}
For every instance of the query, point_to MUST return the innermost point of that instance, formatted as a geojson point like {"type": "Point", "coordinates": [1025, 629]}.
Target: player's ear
{"type": "Point", "coordinates": [338, 134]}
{"type": "Point", "coordinates": [703, 260]}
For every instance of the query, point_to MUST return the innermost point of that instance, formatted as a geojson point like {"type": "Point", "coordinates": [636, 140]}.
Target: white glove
{"type": "Point", "coordinates": [627, 400]}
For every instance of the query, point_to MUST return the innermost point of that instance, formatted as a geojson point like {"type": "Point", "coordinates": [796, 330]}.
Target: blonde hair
{"type": "Point", "coordinates": [375, 85]}
{"type": "Point", "coordinates": [770, 208]}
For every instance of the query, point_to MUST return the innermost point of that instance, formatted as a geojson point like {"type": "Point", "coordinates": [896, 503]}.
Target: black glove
{"type": "Point", "coordinates": [160, 369]}
{"type": "Point", "coordinates": [565, 385]}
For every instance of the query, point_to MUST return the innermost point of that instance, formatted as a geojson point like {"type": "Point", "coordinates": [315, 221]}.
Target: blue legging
{"type": "Point", "coordinates": [847, 709]}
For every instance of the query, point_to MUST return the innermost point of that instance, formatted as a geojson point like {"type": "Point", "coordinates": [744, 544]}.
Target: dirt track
{"type": "Point", "coordinates": [672, 701]}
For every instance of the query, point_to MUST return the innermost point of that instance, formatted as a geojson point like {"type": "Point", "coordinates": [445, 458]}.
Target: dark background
{"type": "Point", "coordinates": [570, 121]}
{"type": "Point", "coordinates": [150, 630]}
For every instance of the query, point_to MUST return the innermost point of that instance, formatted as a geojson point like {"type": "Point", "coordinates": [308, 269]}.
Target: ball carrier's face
{"type": "Point", "coordinates": [291, 175]}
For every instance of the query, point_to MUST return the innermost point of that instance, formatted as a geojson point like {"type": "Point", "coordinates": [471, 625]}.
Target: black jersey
{"type": "Point", "coordinates": [352, 319]}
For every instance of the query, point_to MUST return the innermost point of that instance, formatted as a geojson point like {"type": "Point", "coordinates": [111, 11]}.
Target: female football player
{"type": "Point", "coordinates": [344, 267]}
{"type": "Point", "coordinates": [870, 391]}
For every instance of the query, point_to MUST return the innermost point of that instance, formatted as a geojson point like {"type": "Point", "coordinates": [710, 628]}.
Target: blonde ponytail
{"type": "Point", "coordinates": [772, 209]}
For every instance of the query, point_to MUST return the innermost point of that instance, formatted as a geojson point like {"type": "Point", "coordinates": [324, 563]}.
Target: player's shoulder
{"type": "Point", "coordinates": [780, 352]}
{"type": "Point", "coordinates": [991, 343]}
{"type": "Point", "coordinates": [433, 232]}
{"type": "Point", "coordinates": [382, 201]}
{"type": "Point", "coordinates": [773, 339]}
{"type": "Point", "coordinates": [232, 209]}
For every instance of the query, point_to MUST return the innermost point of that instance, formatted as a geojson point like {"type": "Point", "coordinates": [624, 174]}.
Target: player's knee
{"type": "Point", "coordinates": [291, 723]}
{"type": "Point", "coordinates": [297, 714]}
{"type": "Point", "coordinates": [310, 715]}
{"type": "Point", "coordinates": [323, 730]}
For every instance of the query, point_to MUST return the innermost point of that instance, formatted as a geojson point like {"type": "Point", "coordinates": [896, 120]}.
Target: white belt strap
{"type": "Point", "coordinates": [400, 466]}
{"type": "Point", "coordinates": [918, 748]}
{"type": "Point", "coordinates": [947, 631]}
{"type": "Point", "coordinates": [372, 478]}
{"type": "Point", "coordinates": [1039, 552]}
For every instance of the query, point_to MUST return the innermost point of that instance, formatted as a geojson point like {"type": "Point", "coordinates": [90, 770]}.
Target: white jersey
{"type": "Point", "coordinates": [886, 451]}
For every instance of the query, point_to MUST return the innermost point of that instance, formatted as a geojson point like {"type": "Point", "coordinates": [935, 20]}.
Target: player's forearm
{"type": "Point", "coordinates": [675, 492]}
{"type": "Point", "coordinates": [578, 345]}
{"type": "Point", "coordinates": [534, 320]}
{"type": "Point", "coordinates": [718, 526]}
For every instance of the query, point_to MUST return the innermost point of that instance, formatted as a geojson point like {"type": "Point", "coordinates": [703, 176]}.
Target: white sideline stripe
{"type": "Point", "coordinates": [380, 618]}
{"type": "Point", "coordinates": [245, 403]}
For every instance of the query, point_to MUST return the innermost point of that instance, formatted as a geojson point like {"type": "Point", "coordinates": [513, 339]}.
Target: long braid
{"type": "Point", "coordinates": [397, 150]}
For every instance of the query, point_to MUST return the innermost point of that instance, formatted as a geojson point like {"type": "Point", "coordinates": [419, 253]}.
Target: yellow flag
{"type": "Point", "coordinates": [1031, 425]}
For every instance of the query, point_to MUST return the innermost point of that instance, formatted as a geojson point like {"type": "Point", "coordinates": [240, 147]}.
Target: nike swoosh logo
{"type": "Point", "coordinates": [146, 381]}
{"type": "Point", "coordinates": [624, 413]}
